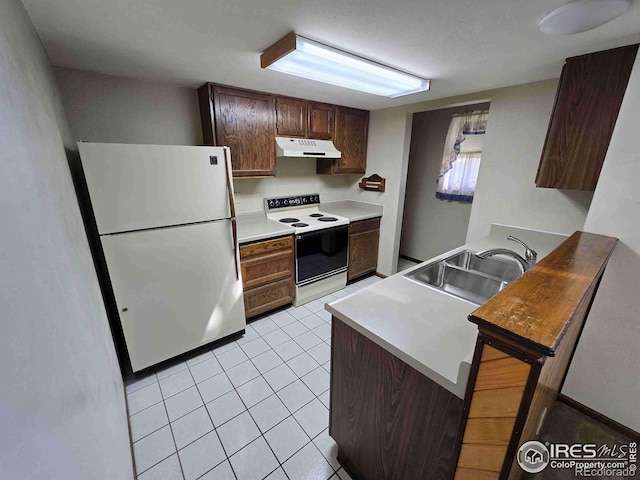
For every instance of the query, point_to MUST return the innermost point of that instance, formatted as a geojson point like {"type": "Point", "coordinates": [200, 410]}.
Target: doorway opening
{"type": "Point", "coordinates": [431, 225]}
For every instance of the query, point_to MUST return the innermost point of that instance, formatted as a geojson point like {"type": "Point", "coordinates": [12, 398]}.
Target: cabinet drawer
{"type": "Point", "coordinates": [273, 295]}
{"type": "Point", "coordinates": [264, 247]}
{"type": "Point", "coordinates": [267, 268]}
{"type": "Point", "coordinates": [365, 226]}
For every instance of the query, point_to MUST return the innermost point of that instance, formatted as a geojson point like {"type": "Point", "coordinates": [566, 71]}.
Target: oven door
{"type": "Point", "coordinates": [321, 253]}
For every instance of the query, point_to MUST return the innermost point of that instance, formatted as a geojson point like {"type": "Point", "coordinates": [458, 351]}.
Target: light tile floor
{"type": "Point", "coordinates": [252, 409]}
{"type": "Point", "coordinates": [404, 264]}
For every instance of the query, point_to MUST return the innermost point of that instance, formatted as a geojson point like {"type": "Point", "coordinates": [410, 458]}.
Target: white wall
{"type": "Point", "coordinates": [604, 371]}
{"type": "Point", "coordinates": [431, 226]}
{"type": "Point", "coordinates": [506, 191]}
{"type": "Point", "coordinates": [104, 108]}
{"type": "Point", "coordinates": [62, 406]}
{"type": "Point", "coordinates": [388, 156]}
{"type": "Point", "coordinates": [295, 176]}
{"type": "Point", "coordinates": [515, 136]}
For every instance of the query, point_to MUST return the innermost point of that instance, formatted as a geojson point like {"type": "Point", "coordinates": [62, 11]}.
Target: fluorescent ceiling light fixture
{"type": "Point", "coordinates": [306, 58]}
{"type": "Point", "coordinates": [582, 15]}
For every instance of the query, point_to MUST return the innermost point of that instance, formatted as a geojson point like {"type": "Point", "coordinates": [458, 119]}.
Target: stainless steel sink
{"type": "Point", "coordinates": [466, 276]}
{"type": "Point", "coordinates": [506, 270]}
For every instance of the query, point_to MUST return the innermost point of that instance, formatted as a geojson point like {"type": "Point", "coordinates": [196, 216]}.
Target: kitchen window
{"type": "Point", "coordinates": [461, 157]}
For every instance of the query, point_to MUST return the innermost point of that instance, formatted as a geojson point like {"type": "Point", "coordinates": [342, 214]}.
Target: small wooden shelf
{"type": "Point", "coordinates": [374, 183]}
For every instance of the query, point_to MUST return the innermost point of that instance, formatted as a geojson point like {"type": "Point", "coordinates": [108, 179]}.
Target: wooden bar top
{"type": "Point", "coordinates": [538, 307]}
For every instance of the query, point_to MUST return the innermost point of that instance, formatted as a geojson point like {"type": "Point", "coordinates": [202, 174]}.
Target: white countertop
{"type": "Point", "coordinates": [424, 327]}
{"type": "Point", "coordinates": [254, 226]}
{"type": "Point", "coordinates": [352, 209]}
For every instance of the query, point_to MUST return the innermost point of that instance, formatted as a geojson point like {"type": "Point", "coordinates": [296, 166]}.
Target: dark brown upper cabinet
{"type": "Point", "coordinates": [587, 103]}
{"type": "Point", "coordinates": [248, 122]}
{"type": "Point", "coordinates": [301, 118]}
{"type": "Point", "coordinates": [244, 121]}
{"type": "Point", "coordinates": [350, 137]}
{"type": "Point", "coordinates": [320, 121]}
{"type": "Point", "coordinates": [291, 117]}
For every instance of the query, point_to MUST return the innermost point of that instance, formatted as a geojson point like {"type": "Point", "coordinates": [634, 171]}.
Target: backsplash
{"type": "Point", "coordinates": [295, 176]}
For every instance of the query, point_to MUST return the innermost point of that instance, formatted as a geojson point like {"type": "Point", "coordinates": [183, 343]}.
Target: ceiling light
{"type": "Point", "coordinates": [582, 15]}
{"type": "Point", "coordinates": [306, 58]}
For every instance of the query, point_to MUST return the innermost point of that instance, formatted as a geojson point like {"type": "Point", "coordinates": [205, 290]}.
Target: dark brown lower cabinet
{"type": "Point", "coordinates": [389, 420]}
{"type": "Point", "coordinates": [267, 274]}
{"type": "Point", "coordinates": [364, 237]}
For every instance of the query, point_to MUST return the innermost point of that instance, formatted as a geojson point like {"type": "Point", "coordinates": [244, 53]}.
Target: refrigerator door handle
{"type": "Point", "coordinates": [232, 207]}
{"type": "Point", "coordinates": [234, 231]}
{"type": "Point", "coordinates": [232, 210]}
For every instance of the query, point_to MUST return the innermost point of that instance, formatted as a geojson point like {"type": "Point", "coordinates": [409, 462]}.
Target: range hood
{"type": "Point", "coordinates": [305, 148]}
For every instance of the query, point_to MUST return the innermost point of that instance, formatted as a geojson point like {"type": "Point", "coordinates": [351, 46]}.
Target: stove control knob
{"type": "Point", "coordinates": [277, 203]}
{"type": "Point", "coordinates": [271, 203]}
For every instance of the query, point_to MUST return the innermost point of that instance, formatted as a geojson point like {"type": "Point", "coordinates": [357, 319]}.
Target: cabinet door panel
{"type": "Point", "coordinates": [291, 117]}
{"type": "Point", "coordinates": [320, 120]}
{"type": "Point", "coordinates": [587, 105]}
{"type": "Point", "coordinates": [245, 123]}
{"type": "Point", "coordinates": [382, 410]}
{"type": "Point", "coordinates": [363, 253]}
{"type": "Point", "coordinates": [350, 137]}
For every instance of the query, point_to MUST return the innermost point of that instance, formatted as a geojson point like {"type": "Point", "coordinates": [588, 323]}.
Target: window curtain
{"type": "Point", "coordinates": [461, 156]}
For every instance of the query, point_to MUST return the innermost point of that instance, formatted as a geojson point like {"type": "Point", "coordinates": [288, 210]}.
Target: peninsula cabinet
{"type": "Point", "coordinates": [350, 137]}
{"type": "Point", "coordinates": [392, 422]}
{"type": "Point", "coordinates": [244, 121]}
{"type": "Point", "coordinates": [527, 334]}
{"type": "Point", "coordinates": [267, 274]}
{"type": "Point", "coordinates": [364, 236]}
{"type": "Point", "coordinates": [587, 103]}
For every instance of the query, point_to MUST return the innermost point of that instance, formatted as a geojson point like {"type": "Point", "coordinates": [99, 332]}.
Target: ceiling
{"type": "Point", "coordinates": [462, 45]}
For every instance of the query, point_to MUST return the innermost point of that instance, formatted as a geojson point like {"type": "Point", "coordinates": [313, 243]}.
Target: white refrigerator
{"type": "Point", "coordinates": [166, 220]}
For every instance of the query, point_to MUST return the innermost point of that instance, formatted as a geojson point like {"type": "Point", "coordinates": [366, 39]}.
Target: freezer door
{"type": "Point", "coordinates": [175, 288]}
{"type": "Point", "coordinates": [133, 187]}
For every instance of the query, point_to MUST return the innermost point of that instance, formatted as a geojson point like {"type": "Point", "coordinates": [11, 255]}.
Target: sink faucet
{"type": "Point", "coordinates": [530, 255]}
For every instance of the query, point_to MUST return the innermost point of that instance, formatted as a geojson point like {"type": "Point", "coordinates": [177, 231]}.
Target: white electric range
{"type": "Point", "coordinates": [321, 244]}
